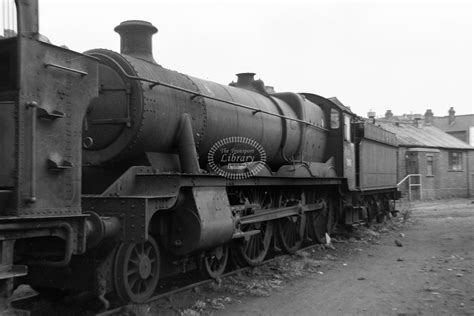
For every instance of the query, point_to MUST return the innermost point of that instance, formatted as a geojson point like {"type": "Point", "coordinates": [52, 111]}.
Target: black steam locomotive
{"type": "Point", "coordinates": [116, 172]}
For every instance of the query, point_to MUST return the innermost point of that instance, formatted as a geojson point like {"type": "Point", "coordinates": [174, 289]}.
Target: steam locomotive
{"type": "Point", "coordinates": [116, 172]}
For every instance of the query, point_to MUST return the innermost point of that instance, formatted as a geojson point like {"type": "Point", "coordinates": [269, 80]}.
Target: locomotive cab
{"type": "Point", "coordinates": [340, 139]}
{"type": "Point", "coordinates": [341, 127]}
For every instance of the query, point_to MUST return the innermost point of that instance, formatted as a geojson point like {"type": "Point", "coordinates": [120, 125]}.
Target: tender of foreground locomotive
{"type": "Point", "coordinates": [116, 172]}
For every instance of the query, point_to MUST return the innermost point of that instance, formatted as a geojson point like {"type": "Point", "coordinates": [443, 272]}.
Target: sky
{"type": "Point", "coordinates": [406, 56]}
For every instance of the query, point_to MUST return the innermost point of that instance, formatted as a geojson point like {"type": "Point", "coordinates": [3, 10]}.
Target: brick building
{"type": "Point", "coordinates": [445, 164]}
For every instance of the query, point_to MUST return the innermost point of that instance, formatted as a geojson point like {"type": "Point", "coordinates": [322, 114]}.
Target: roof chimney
{"type": "Point", "coordinates": [452, 116]}
{"type": "Point", "coordinates": [418, 122]}
{"type": "Point", "coordinates": [388, 115]}
{"type": "Point", "coordinates": [429, 116]}
{"type": "Point", "coordinates": [371, 116]}
{"type": "Point", "coordinates": [135, 39]}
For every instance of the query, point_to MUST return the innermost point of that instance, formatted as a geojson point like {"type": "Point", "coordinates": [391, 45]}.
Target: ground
{"type": "Point", "coordinates": [421, 263]}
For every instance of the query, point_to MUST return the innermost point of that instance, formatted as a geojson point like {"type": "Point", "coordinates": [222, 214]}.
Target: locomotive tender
{"type": "Point", "coordinates": [108, 171]}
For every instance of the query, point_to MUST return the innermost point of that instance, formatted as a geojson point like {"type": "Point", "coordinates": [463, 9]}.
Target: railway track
{"type": "Point", "coordinates": [119, 309]}
{"type": "Point", "coordinates": [30, 300]}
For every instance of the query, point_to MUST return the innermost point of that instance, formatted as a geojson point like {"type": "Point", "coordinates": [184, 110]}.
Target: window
{"type": "Point", "coordinates": [347, 128]}
{"type": "Point", "coordinates": [334, 118]}
{"type": "Point", "coordinates": [429, 165]}
{"type": "Point", "coordinates": [455, 160]}
{"type": "Point", "coordinates": [411, 163]}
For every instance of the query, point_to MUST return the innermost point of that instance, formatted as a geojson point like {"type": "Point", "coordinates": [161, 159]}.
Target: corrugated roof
{"type": "Point", "coordinates": [425, 136]}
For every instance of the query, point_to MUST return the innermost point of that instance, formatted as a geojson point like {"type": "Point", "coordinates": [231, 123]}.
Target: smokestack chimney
{"type": "Point", "coordinates": [245, 80]}
{"type": "Point", "coordinates": [135, 39]}
{"type": "Point", "coordinates": [429, 116]}
{"type": "Point", "coordinates": [452, 116]}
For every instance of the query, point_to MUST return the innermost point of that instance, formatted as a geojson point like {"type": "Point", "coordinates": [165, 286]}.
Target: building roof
{"type": "Point", "coordinates": [461, 122]}
{"type": "Point", "coordinates": [409, 135]}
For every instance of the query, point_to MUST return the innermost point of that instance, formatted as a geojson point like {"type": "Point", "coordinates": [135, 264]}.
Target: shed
{"type": "Point", "coordinates": [443, 164]}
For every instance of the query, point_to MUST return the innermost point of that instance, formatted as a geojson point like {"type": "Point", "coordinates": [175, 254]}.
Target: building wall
{"type": "Point", "coordinates": [442, 183]}
{"type": "Point", "coordinates": [471, 136]}
{"type": "Point", "coordinates": [451, 183]}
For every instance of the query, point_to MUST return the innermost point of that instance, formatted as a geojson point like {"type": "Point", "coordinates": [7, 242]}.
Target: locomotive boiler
{"type": "Point", "coordinates": [109, 167]}
{"type": "Point", "coordinates": [132, 116]}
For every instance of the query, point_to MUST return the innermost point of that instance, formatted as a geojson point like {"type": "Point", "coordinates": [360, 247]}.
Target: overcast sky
{"type": "Point", "coordinates": [406, 56]}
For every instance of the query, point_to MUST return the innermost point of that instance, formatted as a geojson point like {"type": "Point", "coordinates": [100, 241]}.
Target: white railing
{"type": "Point", "coordinates": [412, 184]}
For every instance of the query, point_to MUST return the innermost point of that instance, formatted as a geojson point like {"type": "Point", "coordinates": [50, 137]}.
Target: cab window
{"type": "Point", "coordinates": [347, 128]}
{"type": "Point", "coordinates": [334, 119]}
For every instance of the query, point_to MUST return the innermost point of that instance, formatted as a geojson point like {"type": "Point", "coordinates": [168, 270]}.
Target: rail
{"type": "Point", "coordinates": [412, 184]}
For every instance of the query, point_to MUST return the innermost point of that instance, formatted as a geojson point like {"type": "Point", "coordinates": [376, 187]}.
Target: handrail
{"type": "Point", "coordinates": [194, 94]}
{"type": "Point", "coordinates": [411, 185]}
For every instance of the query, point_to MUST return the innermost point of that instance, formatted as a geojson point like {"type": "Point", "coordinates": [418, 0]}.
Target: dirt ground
{"type": "Point", "coordinates": [421, 263]}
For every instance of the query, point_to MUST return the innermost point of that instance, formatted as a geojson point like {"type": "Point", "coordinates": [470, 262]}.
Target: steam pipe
{"type": "Point", "coordinates": [188, 157]}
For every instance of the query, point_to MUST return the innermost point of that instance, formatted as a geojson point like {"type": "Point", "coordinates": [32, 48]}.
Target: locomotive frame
{"type": "Point", "coordinates": [122, 224]}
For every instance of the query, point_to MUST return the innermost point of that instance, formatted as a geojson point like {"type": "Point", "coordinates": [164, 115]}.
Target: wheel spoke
{"type": "Point", "coordinates": [132, 271]}
{"type": "Point", "coordinates": [246, 245]}
{"type": "Point", "coordinates": [255, 248]}
{"type": "Point", "coordinates": [148, 251]}
{"type": "Point", "coordinates": [213, 267]}
{"type": "Point", "coordinates": [319, 223]}
{"type": "Point", "coordinates": [133, 280]}
{"type": "Point", "coordinates": [134, 261]}
{"type": "Point", "coordinates": [290, 230]}
{"type": "Point", "coordinates": [135, 253]}
{"type": "Point", "coordinates": [140, 286]}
